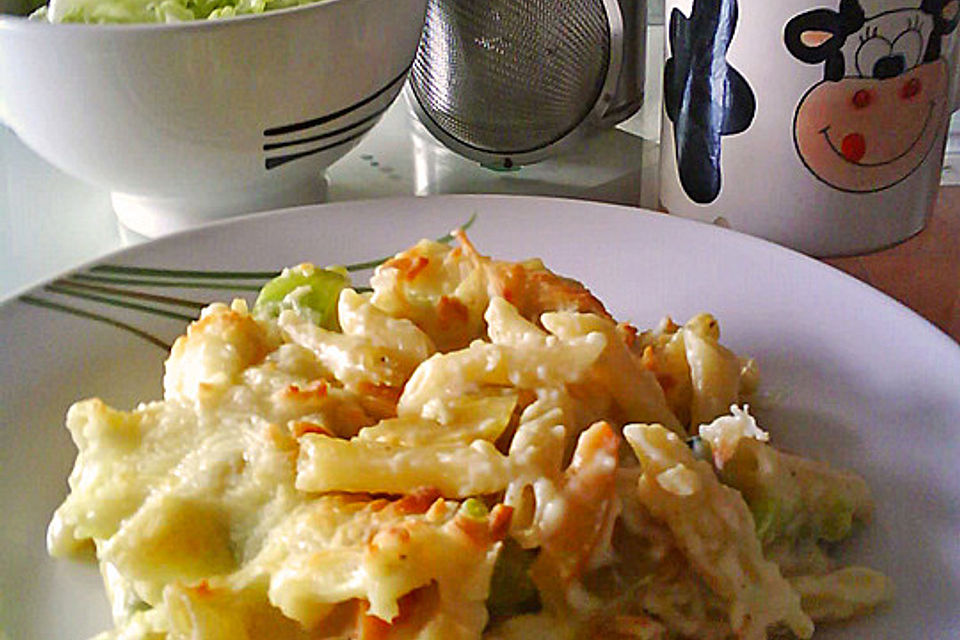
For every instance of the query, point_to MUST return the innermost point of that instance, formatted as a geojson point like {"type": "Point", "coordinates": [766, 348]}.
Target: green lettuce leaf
{"type": "Point", "coordinates": [138, 11]}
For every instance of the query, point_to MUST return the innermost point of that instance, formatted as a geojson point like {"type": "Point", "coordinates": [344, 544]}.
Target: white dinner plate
{"type": "Point", "coordinates": [850, 376]}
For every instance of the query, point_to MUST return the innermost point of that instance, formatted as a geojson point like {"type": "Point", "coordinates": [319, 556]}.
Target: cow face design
{"type": "Point", "coordinates": [875, 116]}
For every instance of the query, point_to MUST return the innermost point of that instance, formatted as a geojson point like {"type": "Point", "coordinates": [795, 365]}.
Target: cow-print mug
{"type": "Point", "coordinates": [818, 124]}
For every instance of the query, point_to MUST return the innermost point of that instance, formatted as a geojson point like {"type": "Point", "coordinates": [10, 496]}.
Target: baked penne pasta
{"type": "Point", "coordinates": [474, 450]}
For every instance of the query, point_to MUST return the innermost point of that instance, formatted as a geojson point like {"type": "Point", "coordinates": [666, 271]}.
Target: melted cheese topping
{"type": "Point", "coordinates": [450, 464]}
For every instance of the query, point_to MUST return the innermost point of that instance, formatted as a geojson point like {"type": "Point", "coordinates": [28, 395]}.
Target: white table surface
{"type": "Point", "coordinates": [51, 222]}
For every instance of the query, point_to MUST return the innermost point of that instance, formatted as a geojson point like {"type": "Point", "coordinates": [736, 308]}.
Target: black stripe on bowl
{"type": "Point", "coordinates": [316, 122]}
{"type": "Point", "coordinates": [327, 134]}
{"type": "Point", "coordinates": [276, 161]}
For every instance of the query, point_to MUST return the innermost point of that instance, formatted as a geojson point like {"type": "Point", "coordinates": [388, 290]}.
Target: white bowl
{"type": "Point", "coordinates": [199, 120]}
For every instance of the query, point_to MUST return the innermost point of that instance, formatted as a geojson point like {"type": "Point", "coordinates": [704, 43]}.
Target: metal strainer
{"type": "Point", "coordinates": [508, 82]}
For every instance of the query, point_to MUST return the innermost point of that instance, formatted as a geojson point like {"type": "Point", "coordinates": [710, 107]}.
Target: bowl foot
{"type": "Point", "coordinates": [158, 216]}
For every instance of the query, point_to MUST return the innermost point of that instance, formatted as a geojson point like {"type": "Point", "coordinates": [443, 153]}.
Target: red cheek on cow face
{"type": "Point", "coordinates": [911, 89]}
{"type": "Point", "coordinates": [865, 134]}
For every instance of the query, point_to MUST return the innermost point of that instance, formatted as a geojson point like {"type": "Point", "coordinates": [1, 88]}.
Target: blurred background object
{"type": "Point", "coordinates": [951, 159]}
{"type": "Point", "coordinates": [191, 121]}
{"type": "Point", "coordinates": [511, 82]}
{"type": "Point", "coordinates": [781, 123]}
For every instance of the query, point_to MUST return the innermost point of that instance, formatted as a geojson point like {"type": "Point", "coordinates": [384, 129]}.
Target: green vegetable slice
{"type": "Point", "coordinates": [512, 590]}
{"type": "Point", "coordinates": [307, 289]}
{"type": "Point", "coordinates": [475, 509]}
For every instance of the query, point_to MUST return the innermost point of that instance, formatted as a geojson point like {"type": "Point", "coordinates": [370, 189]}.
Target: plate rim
{"type": "Point", "coordinates": [700, 227]}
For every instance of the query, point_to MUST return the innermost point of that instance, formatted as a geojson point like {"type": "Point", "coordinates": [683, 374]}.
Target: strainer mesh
{"type": "Point", "coordinates": [511, 76]}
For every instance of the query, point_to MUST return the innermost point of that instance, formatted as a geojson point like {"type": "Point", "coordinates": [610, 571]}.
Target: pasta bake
{"type": "Point", "coordinates": [471, 449]}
